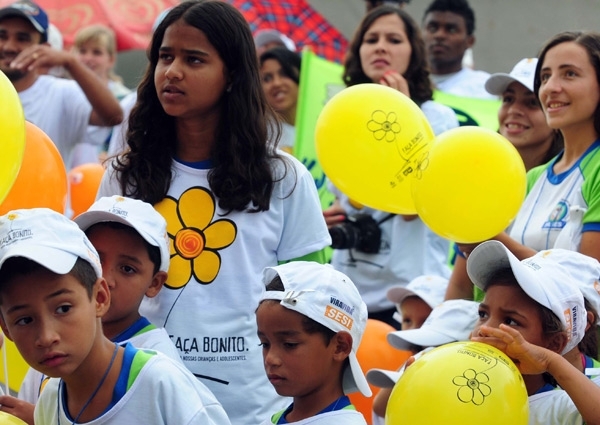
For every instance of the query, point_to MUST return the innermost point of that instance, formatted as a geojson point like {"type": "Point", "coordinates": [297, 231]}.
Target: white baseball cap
{"type": "Point", "coordinates": [430, 289]}
{"type": "Point", "coordinates": [384, 378]}
{"type": "Point", "coordinates": [47, 238]}
{"type": "Point", "coordinates": [523, 72]}
{"type": "Point", "coordinates": [585, 271]}
{"type": "Point", "coordinates": [450, 321]}
{"type": "Point", "coordinates": [134, 213]}
{"type": "Point", "coordinates": [541, 277]}
{"type": "Point", "coordinates": [266, 36]}
{"type": "Point", "coordinates": [329, 297]}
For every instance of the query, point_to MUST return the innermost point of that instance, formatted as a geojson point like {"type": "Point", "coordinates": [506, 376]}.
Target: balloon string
{"type": "Point", "coordinates": [4, 359]}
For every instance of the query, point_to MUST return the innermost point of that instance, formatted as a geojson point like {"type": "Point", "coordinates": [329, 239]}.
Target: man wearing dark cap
{"type": "Point", "coordinates": [61, 108]}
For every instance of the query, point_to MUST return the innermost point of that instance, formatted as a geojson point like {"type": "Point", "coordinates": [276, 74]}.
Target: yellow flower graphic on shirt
{"type": "Point", "coordinates": [194, 237]}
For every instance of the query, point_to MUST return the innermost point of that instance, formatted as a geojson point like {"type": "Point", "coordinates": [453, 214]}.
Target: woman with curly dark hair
{"type": "Point", "coordinates": [198, 152]}
{"type": "Point", "coordinates": [387, 49]}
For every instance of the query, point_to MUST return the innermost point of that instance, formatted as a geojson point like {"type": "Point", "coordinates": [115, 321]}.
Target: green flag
{"type": "Point", "coordinates": [320, 80]}
{"type": "Point", "coordinates": [470, 110]}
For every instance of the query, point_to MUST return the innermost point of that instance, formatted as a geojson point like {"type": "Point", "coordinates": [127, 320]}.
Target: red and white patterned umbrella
{"type": "Point", "coordinates": [297, 20]}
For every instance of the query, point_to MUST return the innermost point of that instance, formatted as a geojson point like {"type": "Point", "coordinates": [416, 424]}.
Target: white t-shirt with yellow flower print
{"type": "Point", "coordinates": [209, 300]}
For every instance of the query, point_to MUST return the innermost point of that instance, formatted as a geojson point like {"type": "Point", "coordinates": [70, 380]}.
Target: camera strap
{"type": "Point", "coordinates": [386, 218]}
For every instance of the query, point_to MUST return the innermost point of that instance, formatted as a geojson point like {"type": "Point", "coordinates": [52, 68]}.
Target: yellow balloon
{"type": "Point", "coordinates": [472, 185]}
{"type": "Point", "coordinates": [8, 419]}
{"type": "Point", "coordinates": [458, 384]}
{"type": "Point", "coordinates": [371, 140]}
{"type": "Point", "coordinates": [12, 131]}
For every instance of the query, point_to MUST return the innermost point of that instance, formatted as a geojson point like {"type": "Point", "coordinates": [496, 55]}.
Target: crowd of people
{"type": "Point", "coordinates": [196, 289]}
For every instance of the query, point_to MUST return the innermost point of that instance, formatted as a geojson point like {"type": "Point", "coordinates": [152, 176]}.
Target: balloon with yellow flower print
{"type": "Point", "coordinates": [371, 141]}
{"type": "Point", "coordinates": [457, 384]}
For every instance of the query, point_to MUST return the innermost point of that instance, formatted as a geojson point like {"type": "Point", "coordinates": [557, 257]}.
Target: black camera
{"type": "Point", "coordinates": [359, 231]}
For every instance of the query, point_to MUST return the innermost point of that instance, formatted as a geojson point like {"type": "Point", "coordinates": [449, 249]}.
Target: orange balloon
{"type": "Point", "coordinates": [42, 179]}
{"type": "Point", "coordinates": [374, 352]}
{"type": "Point", "coordinates": [84, 181]}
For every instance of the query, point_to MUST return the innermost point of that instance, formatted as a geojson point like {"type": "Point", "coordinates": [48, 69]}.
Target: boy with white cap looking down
{"type": "Point", "coordinates": [311, 319]}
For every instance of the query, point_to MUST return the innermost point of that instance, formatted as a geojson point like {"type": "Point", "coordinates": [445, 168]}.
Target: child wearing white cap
{"type": "Point", "coordinates": [130, 238]}
{"type": "Point", "coordinates": [556, 406]}
{"type": "Point", "coordinates": [585, 271]}
{"type": "Point", "coordinates": [415, 301]}
{"type": "Point", "coordinates": [311, 319]}
{"type": "Point", "coordinates": [450, 321]}
{"type": "Point", "coordinates": [534, 311]}
{"type": "Point", "coordinates": [52, 299]}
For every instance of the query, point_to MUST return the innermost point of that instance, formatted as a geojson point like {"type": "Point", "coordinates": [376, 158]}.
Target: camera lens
{"type": "Point", "coordinates": [343, 236]}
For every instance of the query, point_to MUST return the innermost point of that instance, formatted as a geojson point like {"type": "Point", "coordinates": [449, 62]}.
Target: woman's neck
{"type": "Point", "coordinates": [195, 139]}
{"type": "Point", "coordinates": [577, 142]}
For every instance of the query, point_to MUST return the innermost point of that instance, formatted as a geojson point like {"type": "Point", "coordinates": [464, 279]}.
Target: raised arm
{"type": "Point", "coordinates": [106, 110]}
{"type": "Point", "coordinates": [532, 360]}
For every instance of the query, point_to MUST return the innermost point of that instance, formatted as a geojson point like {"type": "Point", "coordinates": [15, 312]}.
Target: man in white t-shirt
{"type": "Point", "coordinates": [61, 108]}
{"type": "Point", "coordinates": [448, 31]}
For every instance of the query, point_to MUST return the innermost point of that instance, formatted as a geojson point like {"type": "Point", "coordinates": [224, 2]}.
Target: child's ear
{"type": "Point", "coordinates": [4, 328]}
{"type": "Point", "coordinates": [591, 320]}
{"type": "Point", "coordinates": [158, 280]}
{"type": "Point", "coordinates": [557, 342]}
{"type": "Point", "coordinates": [343, 345]}
{"type": "Point", "coordinates": [101, 295]}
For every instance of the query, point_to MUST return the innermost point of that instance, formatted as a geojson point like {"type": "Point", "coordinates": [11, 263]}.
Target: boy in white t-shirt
{"type": "Point", "coordinates": [129, 236]}
{"type": "Point", "coordinates": [131, 239]}
{"type": "Point", "coordinates": [311, 319]}
{"type": "Point", "coordinates": [52, 299]}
